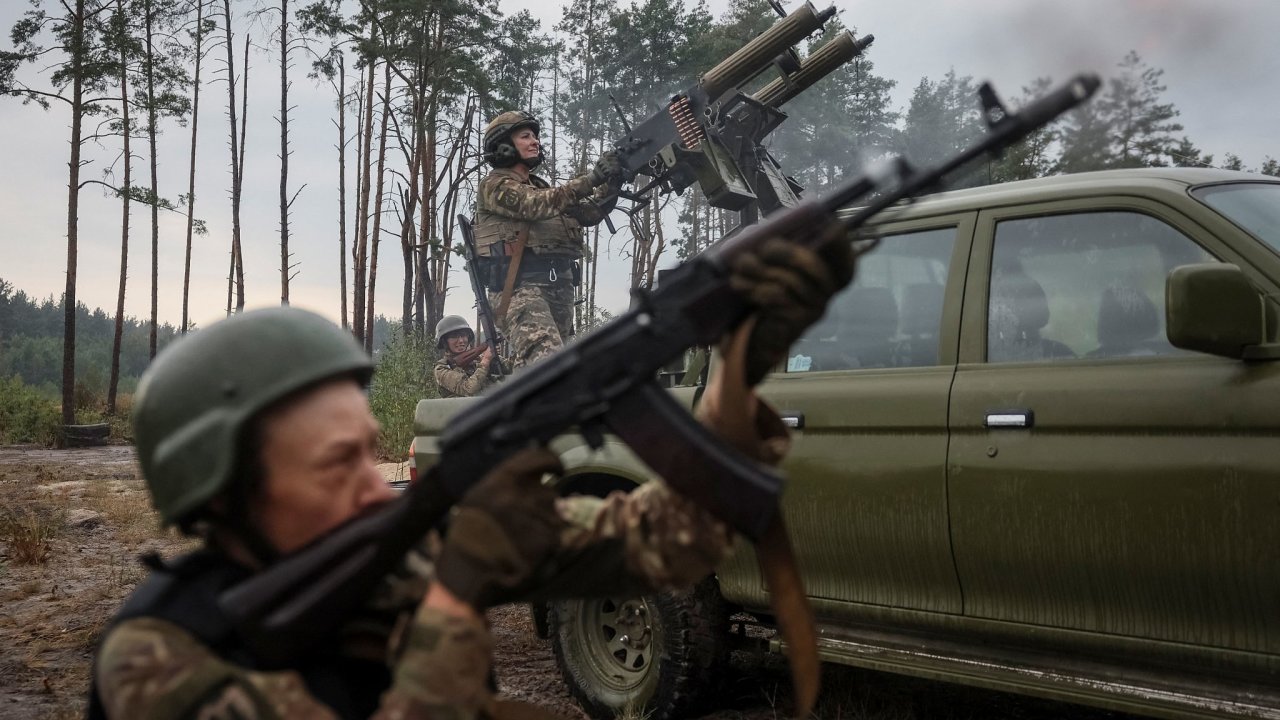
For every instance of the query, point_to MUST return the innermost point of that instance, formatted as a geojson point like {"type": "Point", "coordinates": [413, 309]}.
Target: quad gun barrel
{"type": "Point", "coordinates": [712, 133]}
{"type": "Point", "coordinates": [755, 56]}
{"type": "Point", "coordinates": [820, 63]}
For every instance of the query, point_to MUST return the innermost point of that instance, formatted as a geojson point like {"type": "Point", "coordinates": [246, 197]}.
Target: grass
{"type": "Point", "coordinates": [125, 509]}
{"type": "Point", "coordinates": [403, 378]}
{"type": "Point", "coordinates": [29, 532]}
{"type": "Point", "coordinates": [27, 415]}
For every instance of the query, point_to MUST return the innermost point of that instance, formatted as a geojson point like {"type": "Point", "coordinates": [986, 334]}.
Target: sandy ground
{"type": "Point", "coordinates": [87, 513]}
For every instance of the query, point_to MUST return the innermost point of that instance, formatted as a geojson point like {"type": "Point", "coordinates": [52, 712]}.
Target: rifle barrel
{"type": "Point", "coordinates": [756, 55]}
{"type": "Point", "coordinates": [821, 62]}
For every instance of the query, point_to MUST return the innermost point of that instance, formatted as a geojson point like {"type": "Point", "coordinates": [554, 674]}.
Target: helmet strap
{"type": "Point", "coordinates": [533, 162]}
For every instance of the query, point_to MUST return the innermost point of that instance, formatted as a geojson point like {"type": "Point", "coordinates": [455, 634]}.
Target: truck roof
{"type": "Point", "coordinates": [1139, 181]}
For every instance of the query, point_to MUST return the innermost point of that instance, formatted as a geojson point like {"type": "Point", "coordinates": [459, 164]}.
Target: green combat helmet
{"type": "Point", "coordinates": [194, 401]}
{"type": "Point", "coordinates": [452, 323]}
{"type": "Point", "coordinates": [498, 149]}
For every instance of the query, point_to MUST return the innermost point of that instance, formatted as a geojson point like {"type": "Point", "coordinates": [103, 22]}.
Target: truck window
{"type": "Point", "coordinates": [1084, 285]}
{"type": "Point", "coordinates": [891, 313]}
{"type": "Point", "coordinates": [1253, 206]}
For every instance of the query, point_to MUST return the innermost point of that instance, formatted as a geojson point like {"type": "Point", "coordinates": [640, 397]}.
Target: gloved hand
{"type": "Point", "coordinates": [502, 531]}
{"type": "Point", "coordinates": [608, 168]}
{"type": "Point", "coordinates": [788, 286]}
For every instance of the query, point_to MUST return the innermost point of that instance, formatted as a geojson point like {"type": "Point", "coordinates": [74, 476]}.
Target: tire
{"type": "Point", "coordinates": [661, 652]}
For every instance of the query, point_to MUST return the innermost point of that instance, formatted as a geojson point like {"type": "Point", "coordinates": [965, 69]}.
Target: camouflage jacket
{"type": "Point", "coordinates": [650, 539]}
{"type": "Point", "coordinates": [457, 381]}
{"type": "Point", "coordinates": [506, 203]}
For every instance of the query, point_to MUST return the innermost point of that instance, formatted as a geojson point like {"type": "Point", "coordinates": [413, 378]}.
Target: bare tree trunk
{"type": "Point", "coordinates": [235, 151]}
{"type": "Point", "coordinates": [555, 112]}
{"type": "Point", "coordinates": [155, 182]}
{"type": "Point", "coordinates": [595, 263]}
{"type": "Point", "coordinates": [127, 128]}
{"type": "Point", "coordinates": [362, 222]}
{"type": "Point", "coordinates": [191, 176]}
{"type": "Point", "coordinates": [73, 214]}
{"type": "Point", "coordinates": [342, 185]}
{"type": "Point", "coordinates": [244, 126]}
{"type": "Point", "coordinates": [655, 249]}
{"type": "Point", "coordinates": [408, 234]}
{"type": "Point", "coordinates": [439, 256]}
{"type": "Point", "coordinates": [376, 235]}
{"type": "Point", "coordinates": [284, 152]}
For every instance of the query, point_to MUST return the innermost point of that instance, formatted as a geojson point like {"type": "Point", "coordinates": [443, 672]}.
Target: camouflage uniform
{"type": "Point", "coordinates": [540, 314]}
{"type": "Point", "coordinates": [650, 539]}
{"type": "Point", "coordinates": [457, 381]}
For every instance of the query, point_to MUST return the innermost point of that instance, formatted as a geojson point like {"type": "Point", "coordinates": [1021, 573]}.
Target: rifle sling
{"type": "Point", "coordinates": [513, 270]}
{"type": "Point", "coordinates": [794, 614]}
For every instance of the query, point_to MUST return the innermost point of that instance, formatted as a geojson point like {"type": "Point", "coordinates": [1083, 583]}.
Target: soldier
{"type": "Point", "coordinates": [522, 221]}
{"type": "Point", "coordinates": [460, 371]}
{"type": "Point", "coordinates": [254, 434]}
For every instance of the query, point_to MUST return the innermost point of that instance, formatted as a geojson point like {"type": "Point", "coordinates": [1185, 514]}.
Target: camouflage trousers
{"type": "Point", "coordinates": [539, 320]}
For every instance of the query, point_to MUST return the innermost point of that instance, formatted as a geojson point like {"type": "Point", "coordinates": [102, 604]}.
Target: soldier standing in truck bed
{"type": "Point", "coordinates": [532, 234]}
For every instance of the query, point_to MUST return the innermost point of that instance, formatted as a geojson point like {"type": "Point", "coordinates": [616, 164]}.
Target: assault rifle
{"type": "Point", "coordinates": [606, 382]}
{"type": "Point", "coordinates": [492, 336]}
{"type": "Point", "coordinates": [712, 133]}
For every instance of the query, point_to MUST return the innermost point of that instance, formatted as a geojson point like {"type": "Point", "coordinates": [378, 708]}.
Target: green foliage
{"type": "Point", "coordinates": [839, 124]}
{"type": "Point", "coordinates": [31, 345]}
{"type": "Point", "coordinates": [27, 415]}
{"type": "Point", "coordinates": [402, 379]}
{"type": "Point", "coordinates": [942, 118]}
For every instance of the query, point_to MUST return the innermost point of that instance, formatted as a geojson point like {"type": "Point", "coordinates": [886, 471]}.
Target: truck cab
{"type": "Point", "coordinates": [1034, 450]}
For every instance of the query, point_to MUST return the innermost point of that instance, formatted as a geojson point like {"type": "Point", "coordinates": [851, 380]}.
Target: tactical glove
{"type": "Point", "coordinates": [502, 531]}
{"type": "Point", "coordinates": [788, 286]}
{"type": "Point", "coordinates": [608, 168]}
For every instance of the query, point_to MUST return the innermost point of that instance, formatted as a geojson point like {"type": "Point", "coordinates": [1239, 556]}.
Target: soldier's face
{"type": "Point", "coordinates": [457, 341]}
{"type": "Point", "coordinates": [318, 454]}
{"type": "Point", "coordinates": [526, 143]}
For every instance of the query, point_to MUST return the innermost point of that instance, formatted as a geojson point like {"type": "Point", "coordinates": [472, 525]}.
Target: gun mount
{"type": "Point", "coordinates": [712, 133]}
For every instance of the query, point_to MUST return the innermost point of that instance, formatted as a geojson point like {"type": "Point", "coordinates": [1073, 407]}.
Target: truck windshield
{"type": "Point", "coordinates": [1253, 206]}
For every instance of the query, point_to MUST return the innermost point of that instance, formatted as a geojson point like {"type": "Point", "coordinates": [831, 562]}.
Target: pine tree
{"type": "Point", "coordinates": [1143, 126]}
{"type": "Point", "coordinates": [1030, 157]}
{"type": "Point", "coordinates": [1186, 154]}
{"type": "Point", "coordinates": [84, 71]}
{"type": "Point", "coordinates": [942, 118]}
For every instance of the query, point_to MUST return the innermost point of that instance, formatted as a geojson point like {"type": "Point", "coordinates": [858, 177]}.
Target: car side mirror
{"type": "Point", "coordinates": [1213, 308]}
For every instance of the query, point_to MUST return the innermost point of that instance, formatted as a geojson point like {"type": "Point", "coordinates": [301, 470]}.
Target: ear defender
{"type": "Point", "coordinates": [503, 156]}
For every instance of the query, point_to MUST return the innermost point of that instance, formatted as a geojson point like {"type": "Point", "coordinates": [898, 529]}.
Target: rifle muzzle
{"type": "Point", "coordinates": [820, 63]}
{"type": "Point", "coordinates": [752, 58]}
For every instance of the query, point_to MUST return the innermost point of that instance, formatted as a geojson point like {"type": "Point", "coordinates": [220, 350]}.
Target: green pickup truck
{"type": "Point", "coordinates": [1035, 449]}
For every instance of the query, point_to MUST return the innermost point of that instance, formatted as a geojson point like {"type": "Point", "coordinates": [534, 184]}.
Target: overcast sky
{"type": "Point", "coordinates": [1221, 63]}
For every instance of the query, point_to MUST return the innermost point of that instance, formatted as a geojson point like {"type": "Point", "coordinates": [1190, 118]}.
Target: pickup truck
{"type": "Point", "coordinates": [1035, 450]}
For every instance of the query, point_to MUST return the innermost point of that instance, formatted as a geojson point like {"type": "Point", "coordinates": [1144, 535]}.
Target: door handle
{"type": "Point", "coordinates": [793, 420]}
{"type": "Point", "coordinates": [1011, 419]}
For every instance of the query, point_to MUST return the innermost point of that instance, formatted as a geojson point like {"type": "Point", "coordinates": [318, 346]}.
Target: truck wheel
{"type": "Point", "coordinates": [658, 652]}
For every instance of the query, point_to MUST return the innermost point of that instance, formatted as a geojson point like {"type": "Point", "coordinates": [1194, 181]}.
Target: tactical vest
{"type": "Point", "coordinates": [185, 592]}
{"type": "Point", "coordinates": [560, 235]}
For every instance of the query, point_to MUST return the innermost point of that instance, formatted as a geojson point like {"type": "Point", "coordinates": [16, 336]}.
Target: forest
{"type": "Point", "coordinates": [412, 83]}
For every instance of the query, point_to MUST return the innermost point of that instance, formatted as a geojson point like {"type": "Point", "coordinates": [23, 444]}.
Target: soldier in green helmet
{"type": "Point", "coordinates": [461, 371]}
{"type": "Point", "coordinates": [523, 222]}
{"type": "Point", "coordinates": [255, 435]}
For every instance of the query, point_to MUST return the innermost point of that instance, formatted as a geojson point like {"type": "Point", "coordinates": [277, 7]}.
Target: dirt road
{"type": "Point", "coordinates": [74, 522]}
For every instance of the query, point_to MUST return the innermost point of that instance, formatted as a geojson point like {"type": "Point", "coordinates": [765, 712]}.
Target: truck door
{"type": "Point", "coordinates": [866, 391]}
{"type": "Point", "coordinates": [1101, 479]}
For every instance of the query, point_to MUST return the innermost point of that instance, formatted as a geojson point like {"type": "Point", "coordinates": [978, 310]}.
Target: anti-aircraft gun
{"type": "Point", "coordinates": [712, 133]}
